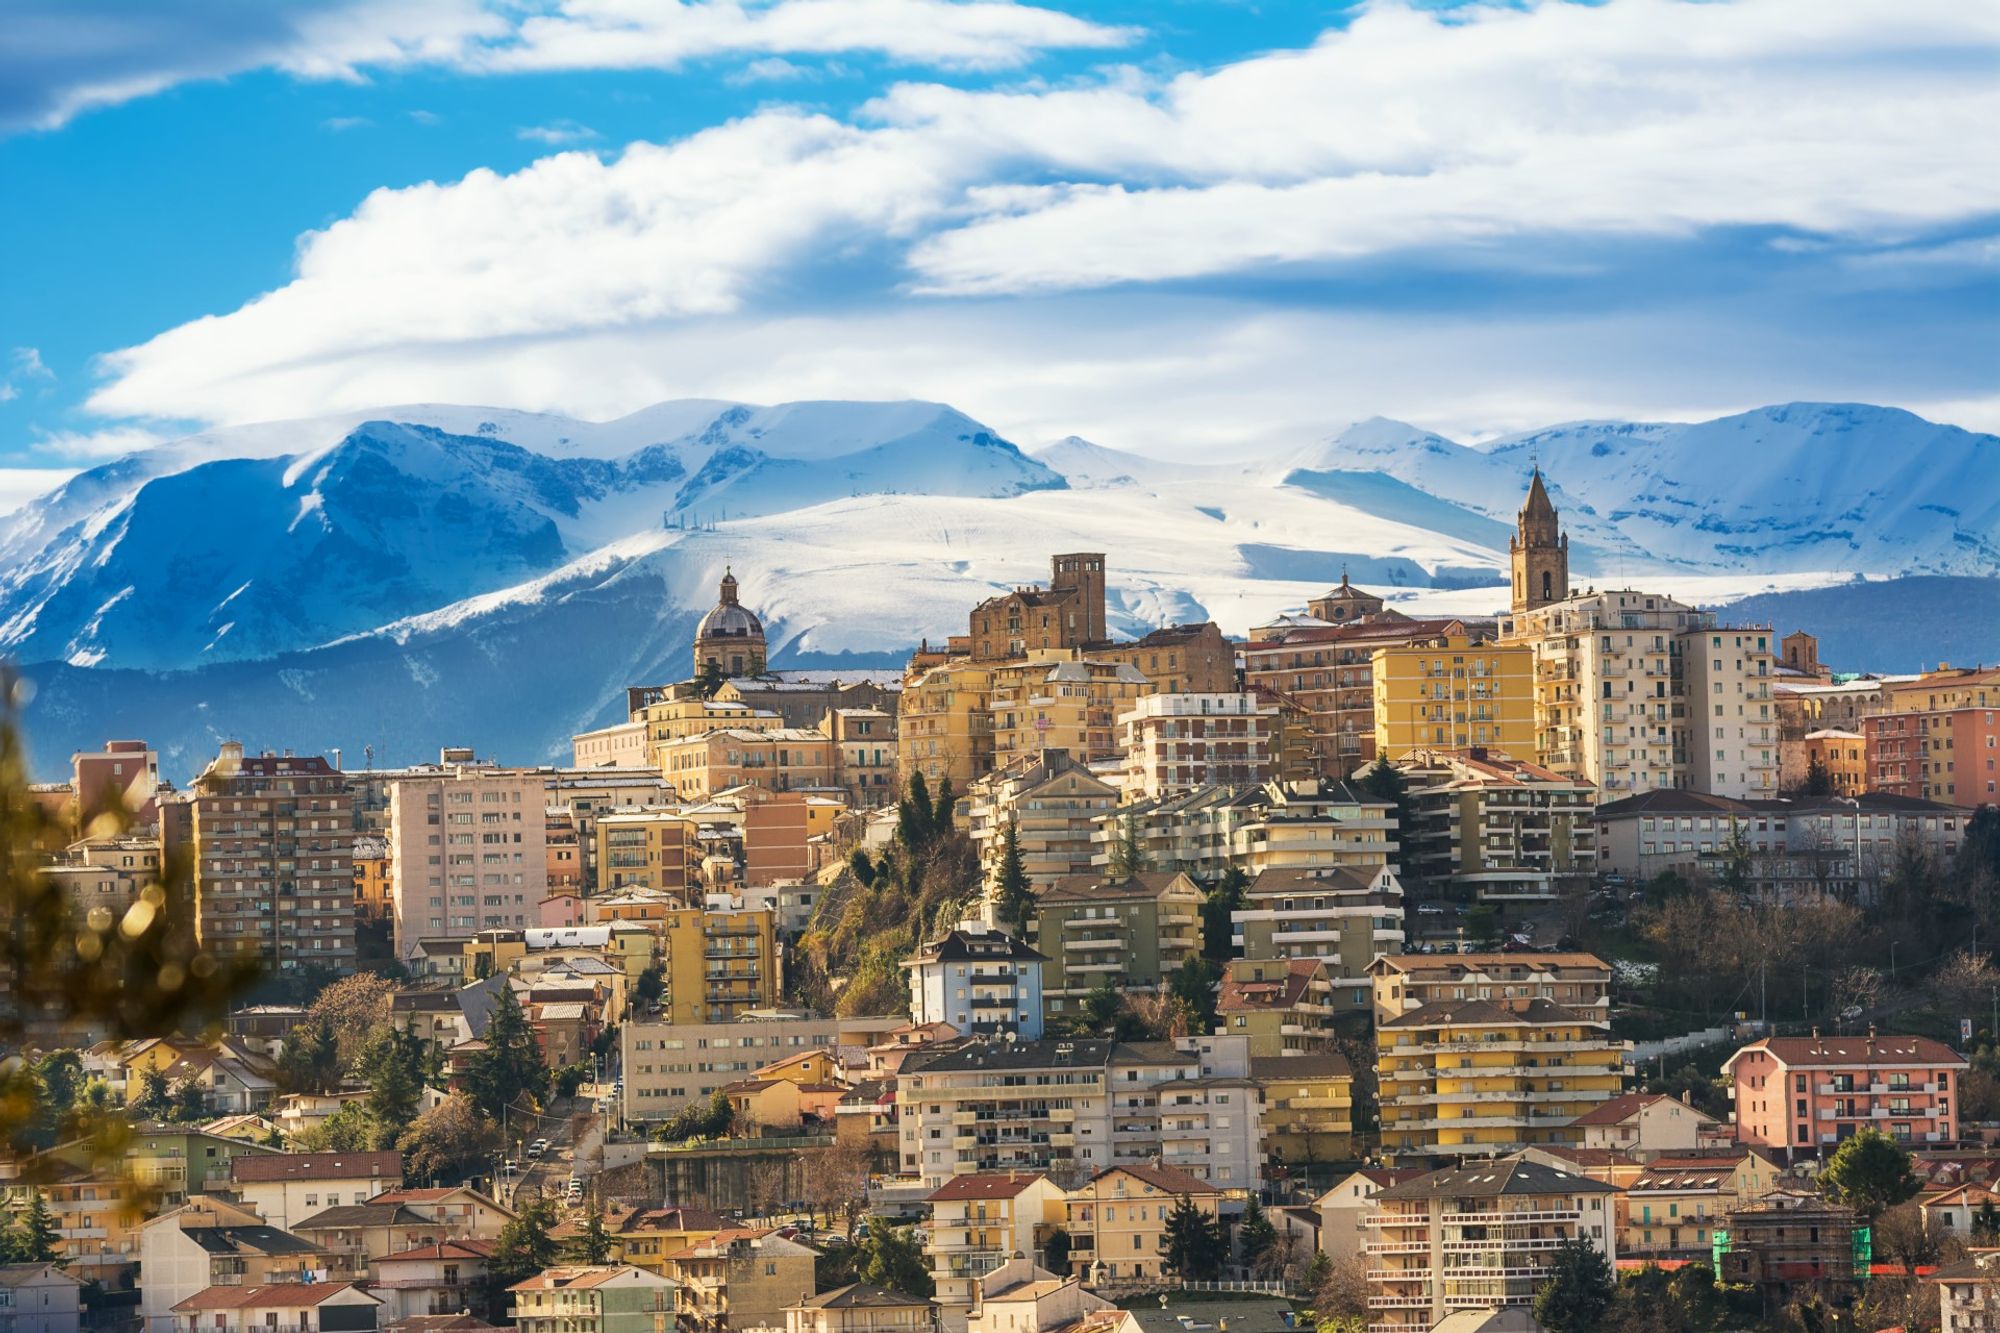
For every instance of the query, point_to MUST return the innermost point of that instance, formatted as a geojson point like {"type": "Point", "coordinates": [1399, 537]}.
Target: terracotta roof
{"type": "Point", "coordinates": [1145, 886]}
{"type": "Point", "coordinates": [577, 1277]}
{"type": "Point", "coordinates": [1169, 1179]}
{"type": "Point", "coordinates": [855, 1296]}
{"type": "Point", "coordinates": [279, 1296]}
{"type": "Point", "coordinates": [468, 1248]}
{"type": "Point", "coordinates": [991, 1185]}
{"type": "Point", "coordinates": [258, 1168]}
{"type": "Point", "coordinates": [1621, 1108]}
{"type": "Point", "coordinates": [1822, 1052]}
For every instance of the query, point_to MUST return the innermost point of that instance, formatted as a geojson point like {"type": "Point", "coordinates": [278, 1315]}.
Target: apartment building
{"type": "Point", "coordinates": [721, 960]}
{"type": "Point", "coordinates": [604, 1298]}
{"type": "Point", "coordinates": [1345, 1207]}
{"type": "Point", "coordinates": [1342, 916]}
{"type": "Point", "coordinates": [667, 1064]}
{"type": "Point", "coordinates": [944, 729]}
{"type": "Point", "coordinates": [1841, 755]}
{"type": "Point", "coordinates": [1800, 1094]}
{"type": "Point", "coordinates": [1486, 1054]}
{"type": "Point", "coordinates": [1672, 1209]}
{"type": "Point", "coordinates": [210, 1242]}
{"type": "Point", "coordinates": [620, 745]}
{"type": "Point", "coordinates": [646, 849]}
{"type": "Point", "coordinates": [1177, 743]}
{"type": "Point", "coordinates": [778, 759]}
{"type": "Point", "coordinates": [1329, 670]}
{"type": "Point", "coordinates": [1732, 747]}
{"type": "Point", "coordinates": [1058, 699]}
{"type": "Point", "coordinates": [1132, 934]}
{"type": "Point", "coordinates": [1306, 1110]}
{"type": "Point", "coordinates": [981, 981]}
{"type": "Point", "coordinates": [736, 1279]}
{"type": "Point", "coordinates": [1313, 825]}
{"type": "Point", "coordinates": [274, 875]}
{"type": "Point", "coordinates": [287, 1188]}
{"type": "Point", "coordinates": [1052, 804]}
{"type": "Point", "coordinates": [1476, 1237]}
{"type": "Point", "coordinates": [468, 852]}
{"type": "Point", "coordinates": [1453, 692]}
{"type": "Point", "coordinates": [1938, 737]}
{"type": "Point", "coordinates": [1073, 1107]}
{"type": "Point", "coordinates": [105, 872]}
{"type": "Point", "coordinates": [979, 1222]}
{"type": "Point", "coordinates": [1118, 1221]}
{"type": "Point", "coordinates": [1284, 1007]}
{"type": "Point", "coordinates": [1807, 846]}
{"type": "Point", "coordinates": [861, 1308]}
{"type": "Point", "coordinates": [864, 754]}
{"type": "Point", "coordinates": [1495, 828]}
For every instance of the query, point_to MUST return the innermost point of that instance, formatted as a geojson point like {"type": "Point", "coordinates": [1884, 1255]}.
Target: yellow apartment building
{"type": "Point", "coordinates": [738, 1279]}
{"type": "Point", "coordinates": [1486, 1054]}
{"type": "Point", "coordinates": [1451, 692]}
{"type": "Point", "coordinates": [374, 885]}
{"type": "Point", "coordinates": [1306, 1108]}
{"type": "Point", "coordinates": [722, 961]}
{"type": "Point", "coordinates": [645, 1235]}
{"type": "Point", "coordinates": [1054, 805]}
{"type": "Point", "coordinates": [675, 719]}
{"type": "Point", "coordinates": [943, 728]}
{"type": "Point", "coordinates": [1118, 1220]}
{"type": "Point", "coordinates": [646, 849]}
{"type": "Point", "coordinates": [776, 759]}
{"type": "Point", "coordinates": [1057, 699]}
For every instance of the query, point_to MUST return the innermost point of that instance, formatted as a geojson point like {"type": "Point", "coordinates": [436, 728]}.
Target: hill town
{"type": "Point", "coordinates": [1603, 963]}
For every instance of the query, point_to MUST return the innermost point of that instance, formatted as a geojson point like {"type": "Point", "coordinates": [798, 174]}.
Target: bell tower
{"type": "Point", "coordinates": [1539, 551]}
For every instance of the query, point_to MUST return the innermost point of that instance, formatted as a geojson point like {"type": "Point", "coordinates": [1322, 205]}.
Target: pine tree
{"type": "Point", "coordinates": [526, 1245]}
{"type": "Point", "coordinates": [1126, 858]}
{"type": "Point", "coordinates": [1255, 1232]}
{"type": "Point", "coordinates": [596, 1241]}
{"type": "Point", "coordinates": [1819, 782]}
{"type": "Point", "coordinates": [918, 817]}
{"type": "Point", "coordinates": [942, 809]}
{"type": "Point", "coordinates": [510, 1068]}
{"type": "Point", "coordinates": [36, 1238]}
{"type": "Point", "coordinates": [1578, 1289]}
{"type": "Point", "coordinates": [1014, 900]}
{"type": "Point", "coordinates": [1195, 1244]}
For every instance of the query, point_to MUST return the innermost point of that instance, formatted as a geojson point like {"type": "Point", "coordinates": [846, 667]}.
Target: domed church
{"type": "Point", "coordinates": [729, 636]}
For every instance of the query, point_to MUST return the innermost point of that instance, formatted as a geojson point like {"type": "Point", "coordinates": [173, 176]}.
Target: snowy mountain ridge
{"type": "Point", "coordinates": [428, 545]}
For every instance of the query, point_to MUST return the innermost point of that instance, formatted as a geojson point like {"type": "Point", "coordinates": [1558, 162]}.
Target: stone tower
{"type": "Point", "coordinates": [1539, 550]}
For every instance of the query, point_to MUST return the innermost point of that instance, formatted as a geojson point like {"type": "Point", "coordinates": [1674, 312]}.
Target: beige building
{"type": "Point", "coordinates": [1732, 727]}
{"type": "Point", "coordinates": [1343, 917]}
{"type": "Point", "coordinates": [1176, 743]}
{"type": "Point", "coordinates": [979, 1222]}
{"type": "Point", "coordinates": [864, 755]}
{"type": "Point", "coordinates": [1497, 828]}
{"type": "Point", "coordinates": [1132, 934]}
{"type": "Point", "coordinates": [1477, 1237]}
{"type": "Point", "coordinates": [1058, 699]}
{"type": "Point", "coordinates": [646, 849]}
{"type": "Point", "coordinates": [1312, 826]}
{"type": "Point", "coordinates": [1118, 1221]}
{"type": "Point", "coordinates": [1052, 803]}
{"type": "Point", "coordinates": [860, 1308]}
{"type": "Point", "coordinates": [274, 876]}
{"type": "Point", "coordinates": [776, 759]}
{"type": "Point", "coordinates": [1329, 671]}
{"type": "Point", "coordinates": [105, 872]}
{"type": "Point", "coordinates": [944, 729]}
{"type": "Point", "coordinates": [606, 1298]}
{"type": "Point", "coordinates": [468, 852]}
{"type": "Point", "coordinates": [667, 1065]}
{"type": "Point", "coordinates": [620, 745]}
{"type": "Point", "coordinates": [738, 1279]}
{"type": "Point", "coordinates": [1486, 1054]}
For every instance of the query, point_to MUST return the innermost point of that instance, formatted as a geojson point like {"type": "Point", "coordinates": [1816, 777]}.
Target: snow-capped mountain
{"type": "Point", "coordinates": [421, 575]}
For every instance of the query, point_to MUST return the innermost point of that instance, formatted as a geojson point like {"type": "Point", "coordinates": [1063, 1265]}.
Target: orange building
{"type": "Point", "coordinates": [781, 759]}
{"type": "Point", "coordinates": [1939, 738]}
{"type": "Point", "coordinates": [373, 895]}
{"type": "Point", "coordinates": [1844, 756]}
{"type": "Point", "coordinates": [1805, 1093]}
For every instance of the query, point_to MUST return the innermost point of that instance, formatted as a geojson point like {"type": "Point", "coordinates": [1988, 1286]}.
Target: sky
{"type": "Point", "coordinates": [1168, 226]}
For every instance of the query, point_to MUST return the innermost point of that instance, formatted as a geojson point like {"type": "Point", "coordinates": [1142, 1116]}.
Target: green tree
{"type": "Point", "coordinates": [861, 868]}
{"type": "Point", "coordinates": [709, 679]}
{"type": "Point", "coordinates": [1736, 858]}
{"type": "Point", "coordinates": [1986, 1223]}
{"type": "Point", "coordinates": [189, 1104]}
{"type": "Point", "coordinates": [1818, 781]}
{"type": "Point", "coordinates": [156, 1097]}
{"type": "Point", "coordinates": [509, 1071]}
{"type": "Point", "coordinates": [33, 1237]}
{"type": "Point", "coordinates": [1127, 859]}
{"type": "Point", "coordinates": [705, 1119]}
{"type": "Point", "coordinates": [393, 1066]}
{"type": "Point", "coordinates": [1255, 1234]}
{"type": "Point", "coordinates": [526, 1245]}
{"type": "Point", "coordinates": [1055, 1251]}
{"type": "Point", "coordinates": [944, 809]}
{"type": "Point", "coordinates": [1385, 782]}
{"type": "Point", "coordinates": [449, 1142]}
{"type": "Point", "coordinates": [1218, 924]}
{"type": "Point", "coordinates": [915, 820]}
{"type": "Point", "coordinates": [1195, 1245]}
{"type": "Point", "coordinates": [1098, 1011]}
{"type": "Point", "coordinates": [1013, 899]}
{"type": "Point", "coordinates": [652, 983]}
{"type": "Point", "coordinates": [1192, 985]}
{"type": "Point", "coordinates": [890, 1257]}
{"type": "Point", "coordinates": [1578, 1290]}
{"type": "Point", "coordinates": [595, 1243]}
{"type": "Point", "coordinates": [311, 1058]}
{"type": "Point", "coordinates": [1869, 1172]}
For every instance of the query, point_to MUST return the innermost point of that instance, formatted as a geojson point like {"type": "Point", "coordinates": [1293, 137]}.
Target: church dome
{"type": "Point", "coordinates": [729, 621]}
{"type": "Point", "coordinates": [729, 638]}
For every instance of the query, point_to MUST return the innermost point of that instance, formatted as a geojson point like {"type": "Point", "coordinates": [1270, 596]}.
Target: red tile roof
{"type": "Point", "coordinates": [1170, 1179]}
{"type": "Point", "coordinates": [277, 1296]}
{"type": "Point", "coordinates": [1821, 1052]}
{"type": "Point", "coordinates": [260, 1167]}
{"type": "Point", "coordinates": [991, 1185]}
{"type": "Point", "coordinates": [1622, 1108]}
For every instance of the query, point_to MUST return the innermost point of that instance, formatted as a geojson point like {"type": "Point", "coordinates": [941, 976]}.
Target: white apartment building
{"type": "Point", "coordinates": [979, 979]}
{"type": "Point", "coordinates": [1073, 1107]}
{"type": "Point", "coordinates": [1732, 721]}
{"type": "Point", "coordinates": [468, 851]}
{"type": "Point", "coordinates": [1178, 742]}
{"type": "Point", "coordinates": [1626, 688]}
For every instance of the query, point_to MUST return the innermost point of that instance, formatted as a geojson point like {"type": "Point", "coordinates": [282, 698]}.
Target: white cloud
{"type": "Point", "coordinates": [65, 57]}
{"type": "Point", "coordinates": [96, 445]}
{"type": "Point", "coordinates": [18, 485]}
{"type": "Point", "coordinates": [1491, 139]}
{"type": "Point", "coordinates": [341, 124]}
{"type": "Point", "coordinates": [24, 365]}
{"type": "Point", "coordinates": [558, 134]}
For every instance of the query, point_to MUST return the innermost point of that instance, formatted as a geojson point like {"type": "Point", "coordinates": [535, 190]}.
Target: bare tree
{"type": "Point", "coordinates": [1855, 988]}
{"type": "Point", "coordinates": [1963, 982]}
{"type": "Point", "coordinates": [835, 1183]}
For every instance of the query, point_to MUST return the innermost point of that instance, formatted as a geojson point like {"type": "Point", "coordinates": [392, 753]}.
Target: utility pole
{"type": "Point", "coordinates": [1805, 991]}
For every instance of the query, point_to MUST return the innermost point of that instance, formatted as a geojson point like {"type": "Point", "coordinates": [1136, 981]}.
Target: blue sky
{"type": "Point", "coordinates": [1170, 227]}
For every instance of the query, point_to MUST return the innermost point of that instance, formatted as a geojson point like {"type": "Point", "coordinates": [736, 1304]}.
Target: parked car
{"type": "Point", "coordinates": [1429, 909]}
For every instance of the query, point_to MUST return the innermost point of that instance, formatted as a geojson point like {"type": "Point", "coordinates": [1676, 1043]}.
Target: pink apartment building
{"type": "Point", "coordinates": [1808, 1093]}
